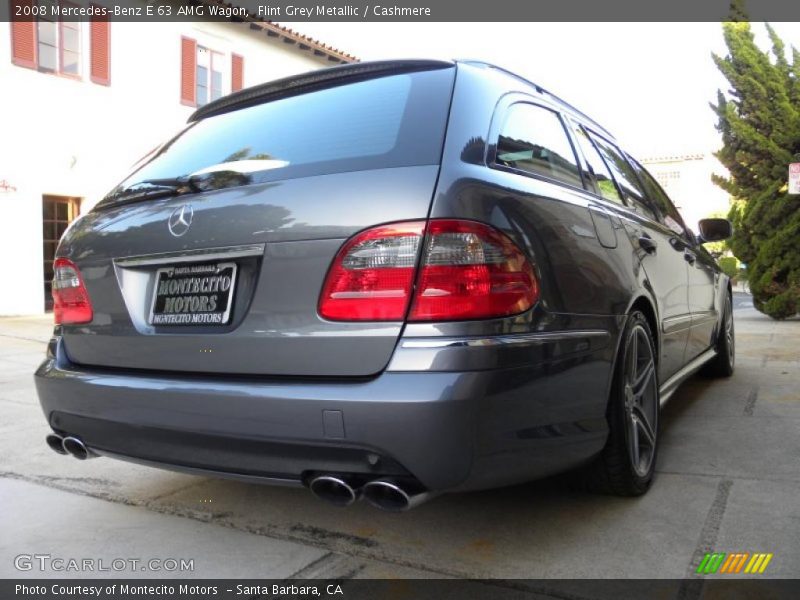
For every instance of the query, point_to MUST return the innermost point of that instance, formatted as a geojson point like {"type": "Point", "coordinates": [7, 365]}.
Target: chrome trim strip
{"type": "Point", "coordinates": [677, 323]}
{"type": "Point", "coordinates": [670, 385]}
{"type": "Point", "coordinates": [183, 256]}
{"type": "Point", "coordinates": [709, 316]}
{"type": "Point", "coordinates": [501, 340]}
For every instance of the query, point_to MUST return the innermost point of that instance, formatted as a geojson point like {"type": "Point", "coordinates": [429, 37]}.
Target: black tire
{"type": "Point", "coordinates": [723, 363]}
{"type": "Point", "coordinates": [619, 469]}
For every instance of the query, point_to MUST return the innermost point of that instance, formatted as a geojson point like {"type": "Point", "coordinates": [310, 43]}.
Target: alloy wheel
{"type": "Point", "coordinates": [641, 400]}
{"type": "Point", "coordinates": [729, 337]}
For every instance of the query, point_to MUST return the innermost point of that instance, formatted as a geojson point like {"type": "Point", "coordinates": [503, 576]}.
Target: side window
{"type": "Point", "coordinates": [533, 139]}
{"type": "Point", "coordinates": [669, 215]}
{"type": "Point", "coordinates": [626, 177]}
{"type": "Point", "coordinates": [599, 173]}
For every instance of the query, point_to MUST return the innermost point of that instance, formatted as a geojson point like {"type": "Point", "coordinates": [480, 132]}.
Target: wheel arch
{"type": "Point", "coordinates": [725, 292]}
{"type": "Point", "coordinates": [646, 306]}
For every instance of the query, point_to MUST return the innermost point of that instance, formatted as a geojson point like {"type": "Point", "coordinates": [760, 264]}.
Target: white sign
{"type": "Point", "coordinates": [794, 178]}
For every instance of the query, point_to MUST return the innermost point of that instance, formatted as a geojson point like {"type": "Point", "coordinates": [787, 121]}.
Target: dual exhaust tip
{"type": "Point", "coordinates": [69, 445]}
{"type": "Point", "coordinates": [385, 494]}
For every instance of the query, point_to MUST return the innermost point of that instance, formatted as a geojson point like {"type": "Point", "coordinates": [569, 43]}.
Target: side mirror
{"type": "Point", "coordinates": [714, 230]}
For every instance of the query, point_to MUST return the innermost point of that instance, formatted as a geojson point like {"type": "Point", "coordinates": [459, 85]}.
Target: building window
{"type": "Point", "coordinates": [668, 178]}
{"type": "Point", "coordinates": [208, 76]}
{"type": "Point", "coordinates": [47, 44]}
{"type": "Point", "coordinates": [70, 46]}
{"type": "Point", "coordinates": [47, 40]}
{"type": "Point", "coordinates": [57, 213]}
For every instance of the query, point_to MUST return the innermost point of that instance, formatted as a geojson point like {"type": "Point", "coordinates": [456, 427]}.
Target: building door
{"type": "Point", "coordinates": [57, 213]}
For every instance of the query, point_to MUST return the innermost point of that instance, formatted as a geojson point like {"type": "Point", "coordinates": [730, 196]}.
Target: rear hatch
{"type": "Point", "coordinates": [211, 256]}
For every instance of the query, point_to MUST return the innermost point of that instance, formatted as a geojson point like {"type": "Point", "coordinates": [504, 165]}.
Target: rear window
{"type": "Point", "coordinates": [391, 121]}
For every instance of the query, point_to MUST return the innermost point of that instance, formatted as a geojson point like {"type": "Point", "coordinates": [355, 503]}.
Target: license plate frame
{"type": "Point", "coordinates": [195, 287]}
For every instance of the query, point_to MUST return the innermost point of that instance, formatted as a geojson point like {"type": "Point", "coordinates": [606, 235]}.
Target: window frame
{"type": "Point", "coordinates": [39, 42]}
{"type": "Point", "coordinates": [627, 201]}
{"type": "Point", "coordinates": [686, 233]}
{"type": "Point", "coordinates": [59, 44]}
{"type": "Point", "coordinates": [589, 176]}
{"type": "Point", "coordinates": [209, 87]}
{"type": "Point", "coordinates": [499, 118]}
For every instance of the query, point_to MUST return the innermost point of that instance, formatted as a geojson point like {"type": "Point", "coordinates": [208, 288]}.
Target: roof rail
{"type": "Point", "coordinates": [542, 91]}
{"type": "Point", "coordinates": [295, 84]}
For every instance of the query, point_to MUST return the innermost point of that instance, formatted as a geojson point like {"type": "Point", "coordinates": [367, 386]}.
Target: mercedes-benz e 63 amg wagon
{"type": "Point", "coordinates": [387, 280]}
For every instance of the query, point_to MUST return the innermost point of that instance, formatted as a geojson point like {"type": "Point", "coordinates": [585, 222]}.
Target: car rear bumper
{"type": "Point", "coordinates": [445, 429]}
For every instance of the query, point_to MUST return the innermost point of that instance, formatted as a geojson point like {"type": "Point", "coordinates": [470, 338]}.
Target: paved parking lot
{"type": "Point", "coordinates": [729, 480]}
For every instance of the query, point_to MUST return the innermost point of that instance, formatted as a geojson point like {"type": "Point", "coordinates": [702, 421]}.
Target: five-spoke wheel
{"type": "Point", "coordinates": [641, 400]}
{"type": "Point", "coordinates": [626, 465]}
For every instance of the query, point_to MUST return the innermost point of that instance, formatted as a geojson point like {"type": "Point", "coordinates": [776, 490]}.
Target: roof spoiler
{"type": "Point", "coordinates": [297, 84]}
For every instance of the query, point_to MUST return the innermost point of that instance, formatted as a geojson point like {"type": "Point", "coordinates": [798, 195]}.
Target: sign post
{"type": "Point", "coordinates": [794, 178]}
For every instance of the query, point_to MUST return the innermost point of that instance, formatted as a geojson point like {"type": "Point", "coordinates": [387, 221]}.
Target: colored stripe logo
{"type": "Point", "coordinates": [734, 563]}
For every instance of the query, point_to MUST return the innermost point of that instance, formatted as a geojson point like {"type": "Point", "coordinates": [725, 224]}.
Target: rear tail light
{"type": "Point", "coordinates": [71, 302]}
{"type": "Point", "coordinates": [468, 270]}
{"type": "Point", "coordinates": [372, 275]}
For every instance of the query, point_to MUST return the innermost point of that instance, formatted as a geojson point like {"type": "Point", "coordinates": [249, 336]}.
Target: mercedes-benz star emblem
{"type": "Point", "coordinates": [180, 220]}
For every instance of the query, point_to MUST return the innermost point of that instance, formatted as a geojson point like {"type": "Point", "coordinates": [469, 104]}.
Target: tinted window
{"type": "Point", "coordinates": [533, 139]}
{"type": "Point", "coordinates": [625, 177]}
{"type": "Point", "coordinates": [599, 174]}
{"type": "Point", "coordinates": [669, 215]}
{"type": "Point", "coordinates": [385, 122]}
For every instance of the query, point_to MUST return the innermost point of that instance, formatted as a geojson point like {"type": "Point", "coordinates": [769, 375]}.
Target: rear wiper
{"type": "Point", "coordinates": [151, 189]}
{"type": "Point", "coordinates": [215, 177]}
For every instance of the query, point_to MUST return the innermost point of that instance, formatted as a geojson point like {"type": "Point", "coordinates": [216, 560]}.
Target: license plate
{"type": "Point", "coordinates": [194, 294]}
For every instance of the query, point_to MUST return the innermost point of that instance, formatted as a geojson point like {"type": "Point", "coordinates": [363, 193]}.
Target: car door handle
{"type": "Point", "coordinates": [647, 244]}
{"type": "Point", "coordinates": [690, 257]}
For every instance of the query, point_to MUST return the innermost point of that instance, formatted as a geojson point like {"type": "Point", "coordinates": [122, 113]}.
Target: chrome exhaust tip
{"type": "Point", "coordinates": [76, 448]}
{"type": "Point", "coordinates": [55, 442]}
{"type": "Point", "coordinates": [390, 495]}
{"type": "Point", "coordinates": [334, 490]}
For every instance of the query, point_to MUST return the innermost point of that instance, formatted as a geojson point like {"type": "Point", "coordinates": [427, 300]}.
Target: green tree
{"type": "Point", "coordinates": [729, 266]}
{"type": "Point", "coordinates": [759, 119]}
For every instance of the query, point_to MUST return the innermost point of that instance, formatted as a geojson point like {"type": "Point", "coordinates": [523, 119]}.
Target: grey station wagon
{"type": "Point", "coordinates": [389, 280]}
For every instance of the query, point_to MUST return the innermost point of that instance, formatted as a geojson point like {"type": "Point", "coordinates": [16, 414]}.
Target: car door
{"type": "Point", "coordinates": [703, 281]}
{"type": "Point", "coordinates": [657, 251]}
{"type": "Point", "coordinates": [702, 271]}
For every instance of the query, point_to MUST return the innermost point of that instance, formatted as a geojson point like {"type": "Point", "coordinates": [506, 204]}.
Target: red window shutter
{"type": "Point", "coordinates": [23, 35]}
{"type": "Point", "coordinates": [100, 50]}
{"type": "Point", "coordinates": [237, 72]}
{"type": "Point", "coordinates": [188, 71]}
